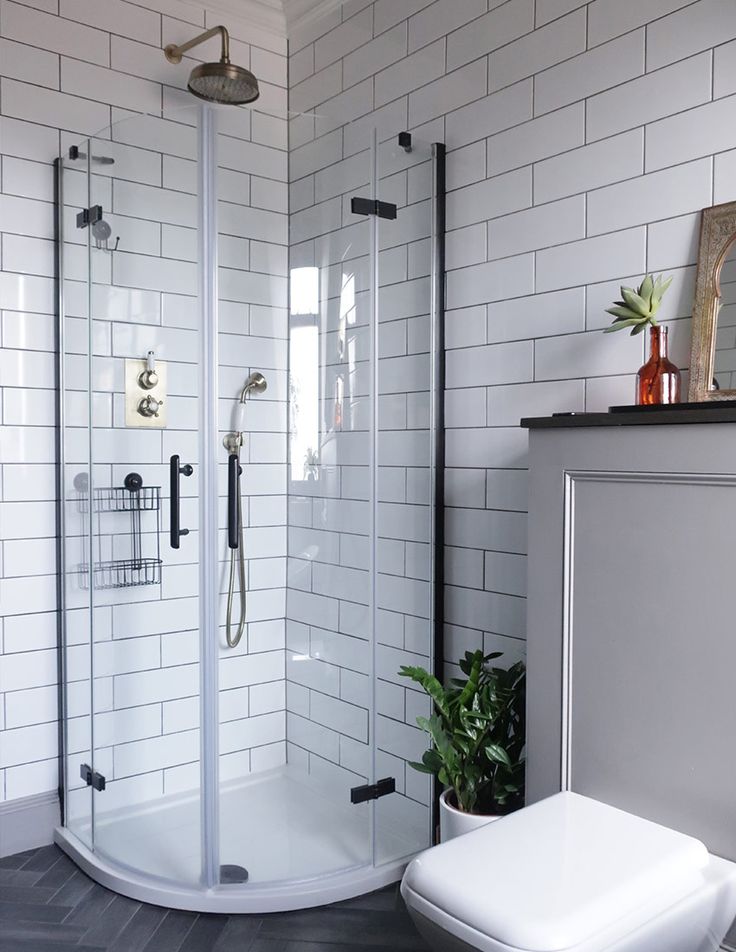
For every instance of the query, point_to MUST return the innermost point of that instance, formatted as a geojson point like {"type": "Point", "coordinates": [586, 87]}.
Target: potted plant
{"type": "Point", "coordinates": [658, 380]}
{"type": "Point", "coordinates": [478, 735]}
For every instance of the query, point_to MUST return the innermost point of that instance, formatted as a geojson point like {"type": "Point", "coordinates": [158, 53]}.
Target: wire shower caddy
{"type": "Point", "coordinates": [135, 499]}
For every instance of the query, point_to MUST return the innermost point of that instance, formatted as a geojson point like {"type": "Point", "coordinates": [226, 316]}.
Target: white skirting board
{"type": "Point", "coordinates": [28, 822]}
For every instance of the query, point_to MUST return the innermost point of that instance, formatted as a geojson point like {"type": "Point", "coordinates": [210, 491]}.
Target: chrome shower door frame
{"type": "Point", "coordinates": [208, 556]}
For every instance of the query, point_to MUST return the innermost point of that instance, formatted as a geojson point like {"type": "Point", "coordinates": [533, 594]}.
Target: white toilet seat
{"type": "Point", "coordinates": [563, 875]}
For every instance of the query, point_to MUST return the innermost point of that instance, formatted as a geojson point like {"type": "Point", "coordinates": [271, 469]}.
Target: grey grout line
{"type": "Point", "coordinates": [485, 469]}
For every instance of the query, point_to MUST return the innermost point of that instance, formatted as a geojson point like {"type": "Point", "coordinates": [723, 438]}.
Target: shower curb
{"type": "Point", "coordinates": [227, 899]}
{"type": "Point", "coordinates": [28, 822]}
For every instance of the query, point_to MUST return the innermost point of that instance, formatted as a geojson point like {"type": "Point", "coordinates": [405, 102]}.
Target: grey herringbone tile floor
{"type": "Point", "coordinates": [48, 905]}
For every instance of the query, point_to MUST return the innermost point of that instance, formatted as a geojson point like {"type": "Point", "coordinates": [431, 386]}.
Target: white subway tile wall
{"type": "Point", "coordinates": [68, 70]}
{"type": "Point", "coordinates": [583, 138]}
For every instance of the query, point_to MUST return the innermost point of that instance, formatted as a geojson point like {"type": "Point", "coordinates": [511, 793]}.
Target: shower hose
{"type": "Point", "coordinates": [236, 556]}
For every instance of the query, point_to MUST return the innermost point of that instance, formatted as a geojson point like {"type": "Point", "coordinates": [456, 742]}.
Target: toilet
{"type": "Point", "coordinates": [571, 874]}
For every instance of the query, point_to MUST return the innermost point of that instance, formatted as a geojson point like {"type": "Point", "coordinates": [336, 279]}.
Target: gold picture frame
{"type": "Point", "coordinates": [717, 236]}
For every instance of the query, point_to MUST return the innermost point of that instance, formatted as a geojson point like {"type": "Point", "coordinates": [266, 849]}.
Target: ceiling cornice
{"type": "Point", "coordinates": [278, 16]}
{"type": "Point", "coordinates": [264, 14]}
{"type": "Point", "coordinates": [300, 13]}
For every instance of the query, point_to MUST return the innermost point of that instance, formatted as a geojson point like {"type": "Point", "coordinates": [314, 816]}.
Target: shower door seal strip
{"type": "Point", "coordinates": [60, 343]}
{"type": "Point", "coordinates": [208, 521]}
{"type": "Point", "coordinates": [437, 424]}
{"type": "Point", "coordinates": [373, 450]}
{"type": "Point", "coordinates": [91, 491]}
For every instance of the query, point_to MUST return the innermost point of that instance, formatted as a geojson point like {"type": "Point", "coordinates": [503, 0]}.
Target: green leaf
{"type": "Point", "coordinates": [432, 759]}
{"type": "Point", "coordinates": [646, 287]}
{"type": "Point", "coordinates": [621, 311]}
{"type": "Point", "coordinates": [621, 323]}
{"type": "Point", "coordinates": [662, 283]}
{"type": "Point", "coordinates": [462, 743]}
{"type": "Point", "coordinates": [430, 684]}
{"type": "Point", "coordinates": [476, 663]}
{"type": "Point", "coordinates": [636, 303]}
{"type": "Point", "coordinates": [498, 755]}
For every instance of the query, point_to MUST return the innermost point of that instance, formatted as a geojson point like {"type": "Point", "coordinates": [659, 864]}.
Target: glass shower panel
{"type": "Point", "coordinates": [328, 628]}
{"type": "Point", "coordinates": [145, 317]}
{"type": "Point", "coordinates": [252, 233]}
{"type": "Point", "coordinates": [74, 367]}
{"type": "Point", "coordinates": [405, 507]}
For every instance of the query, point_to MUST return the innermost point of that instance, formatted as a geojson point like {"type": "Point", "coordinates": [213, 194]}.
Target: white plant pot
{"type": "Point", "coordinates": [454, 822]}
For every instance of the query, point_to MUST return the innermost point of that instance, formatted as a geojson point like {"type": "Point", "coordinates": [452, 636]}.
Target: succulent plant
{"type": "Point", "coordinates": [638, 307]}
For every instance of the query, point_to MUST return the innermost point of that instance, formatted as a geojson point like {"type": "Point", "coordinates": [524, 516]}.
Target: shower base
{"type": "Point", "coordinates": [300, 847]}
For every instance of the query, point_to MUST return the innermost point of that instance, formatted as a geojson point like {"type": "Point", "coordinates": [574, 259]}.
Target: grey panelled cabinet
{"type": "Point", "coordinates": [632, 621]}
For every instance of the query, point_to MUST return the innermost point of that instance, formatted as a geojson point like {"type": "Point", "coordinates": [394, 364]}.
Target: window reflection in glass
{"type": "Point", "coordinates": [346, 351]}
{"type": "Point", "coordinates": [304, 375]}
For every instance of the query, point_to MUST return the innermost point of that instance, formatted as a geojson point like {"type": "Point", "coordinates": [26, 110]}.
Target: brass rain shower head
{"type": "Point", "coordinates": [222, 82]}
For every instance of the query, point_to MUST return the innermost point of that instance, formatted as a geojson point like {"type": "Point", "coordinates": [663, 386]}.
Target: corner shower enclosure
{"type": "Point", "coordinates": [246, 779]}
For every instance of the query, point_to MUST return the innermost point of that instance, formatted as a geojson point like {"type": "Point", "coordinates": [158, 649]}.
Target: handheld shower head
{"type": "Point", "coordinates": [256, 383]}
{"type": "Point", "coordinates": [233, 442]}
{"type": "Point", "coordinates": [239, 417]}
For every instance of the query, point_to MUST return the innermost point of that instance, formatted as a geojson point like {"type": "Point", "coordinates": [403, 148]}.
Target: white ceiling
{"type": "Point", "coordinates": [279, 16]}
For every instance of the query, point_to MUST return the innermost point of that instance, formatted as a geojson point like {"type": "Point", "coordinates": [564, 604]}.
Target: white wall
{"type": "Point", "coordinates": [70, 68]}
{"type": "Point", "coordinates": [583, 138]}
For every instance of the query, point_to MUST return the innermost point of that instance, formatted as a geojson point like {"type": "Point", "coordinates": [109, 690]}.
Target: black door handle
{"type": "Point", "coordinates": [175, 470]}
{"type": "Point", "coordinates": [233, 494]}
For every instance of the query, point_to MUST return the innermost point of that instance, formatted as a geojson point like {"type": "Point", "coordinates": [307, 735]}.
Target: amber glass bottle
{"type": "Point", "coordinates": [658, 381]}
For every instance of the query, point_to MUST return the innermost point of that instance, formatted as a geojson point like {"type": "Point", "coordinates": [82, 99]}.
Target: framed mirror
{"type": "Point", "coordinates": [713, 351]}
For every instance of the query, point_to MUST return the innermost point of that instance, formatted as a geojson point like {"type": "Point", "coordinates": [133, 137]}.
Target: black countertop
{"type": "Point", "coordinates": [711, 412]}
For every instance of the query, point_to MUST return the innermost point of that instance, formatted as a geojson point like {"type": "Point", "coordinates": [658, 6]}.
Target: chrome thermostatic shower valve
{"type": "Point", "coordinates": [150, 407]}
{"type": "Point", "coordinates": [145, 392]}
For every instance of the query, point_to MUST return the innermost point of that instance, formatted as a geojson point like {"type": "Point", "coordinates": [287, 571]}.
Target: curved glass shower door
{"type": "Point", "coordinates": [233, 767]}
{"type": "Point", "coordinates": [406, 381]}
{"type": "Point", "coordinates": [330, 591]}
{"type": "Point", "coordinates": [144, 311]}
{"type": "Point", "coordinates": [74, 476]}
{"type": "Point", "coordinates": [361, 494]}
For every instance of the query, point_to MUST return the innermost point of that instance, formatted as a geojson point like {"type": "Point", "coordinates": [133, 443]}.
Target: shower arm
{"type": "Point", "coordinates": [174, 53]}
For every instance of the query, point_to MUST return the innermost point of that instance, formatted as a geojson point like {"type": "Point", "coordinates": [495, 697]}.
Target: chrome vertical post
{"type": "Point", "coordinates": [208, 509]}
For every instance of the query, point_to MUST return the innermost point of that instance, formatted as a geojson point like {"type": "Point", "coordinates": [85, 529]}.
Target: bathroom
{"type": "Point", "coordinates": [304, 387]}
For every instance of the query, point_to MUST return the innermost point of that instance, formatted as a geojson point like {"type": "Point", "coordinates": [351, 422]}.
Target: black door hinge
{"type": "Point", "coordinates": [371, 206]}
{"type": "Point", "coordinates": [91, 777]}
{"type": "Point", "coordinates": [88, 216]}
{"type": "Point", "coordinates": [372, 791]}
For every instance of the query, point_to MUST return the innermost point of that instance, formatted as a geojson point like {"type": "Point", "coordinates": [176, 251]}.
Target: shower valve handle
{"type": "Point", "coordinates": [233, 487]}
{"type": "Point", "coordinates": [149, 406]}
{"type": "Point", "coordinates": [175, 471]}
{"type": "Point", "coordinates": [149, 379]}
